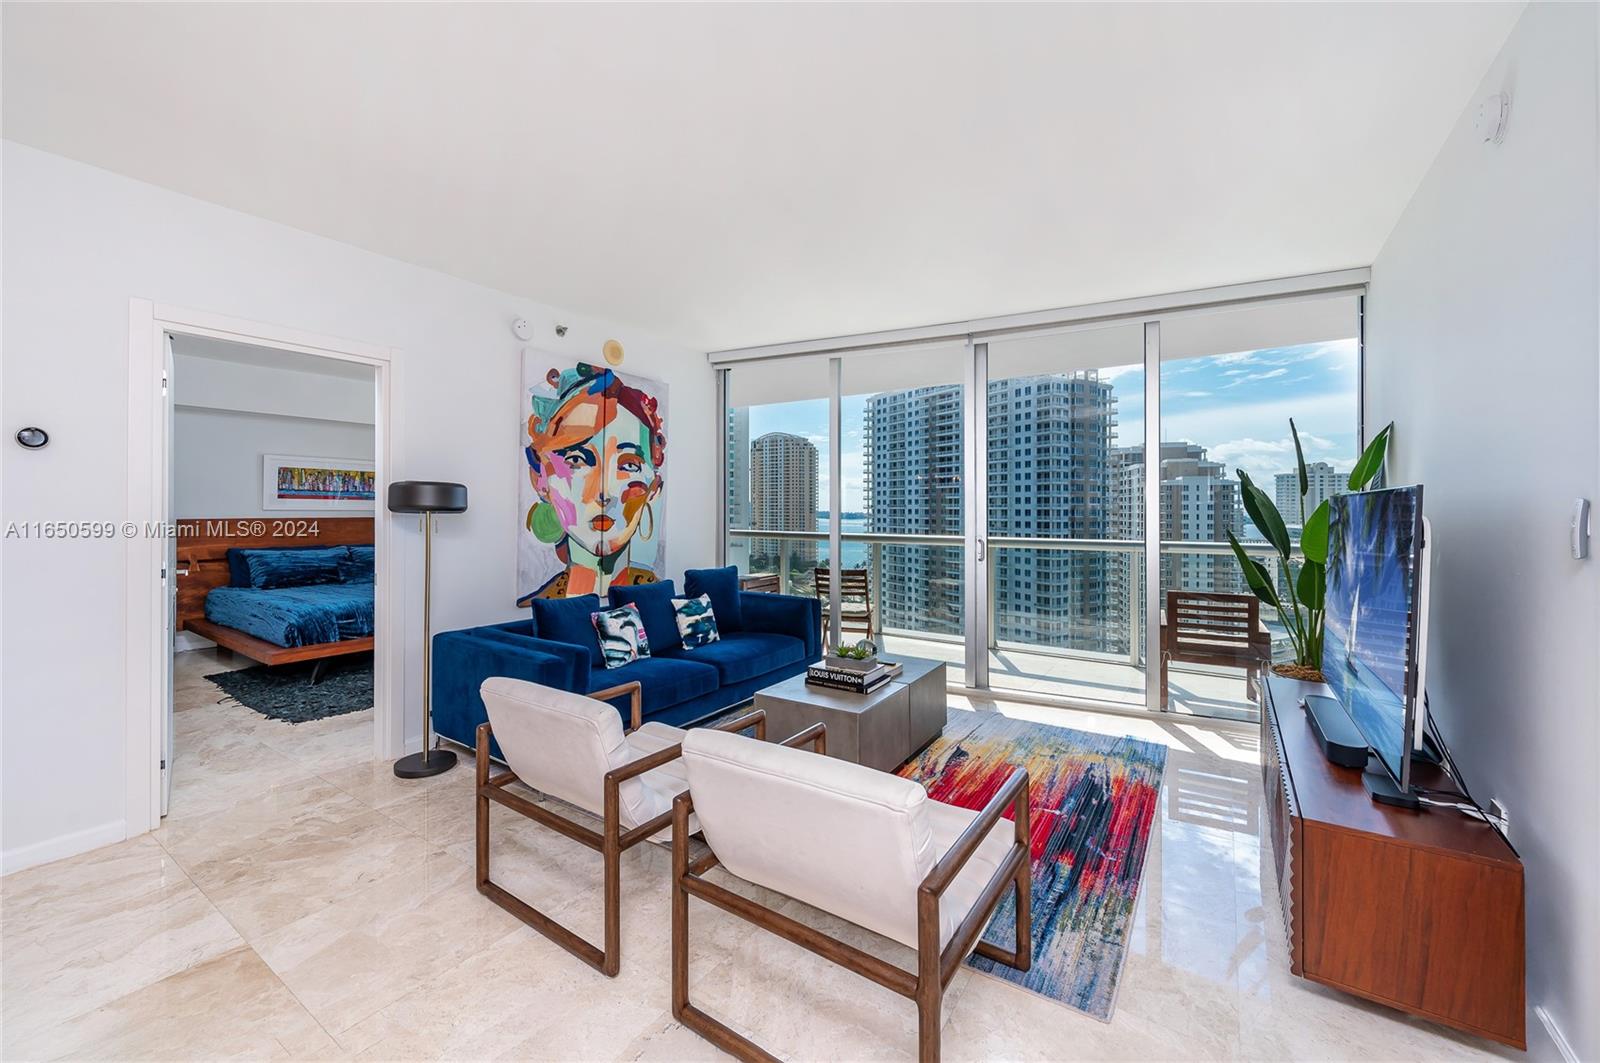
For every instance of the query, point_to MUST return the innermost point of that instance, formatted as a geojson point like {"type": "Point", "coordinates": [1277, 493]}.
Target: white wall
{"type": "Point", "coordinates": [1484, 347]}
{"type": "Point", "coordinates": [218, 468]}
{"type": "Point", "coordinates": [210, 379]}
{"type": "Point", "coordinates": [229, 415]}
{"type": "Point", "coordinates": [78, 243]}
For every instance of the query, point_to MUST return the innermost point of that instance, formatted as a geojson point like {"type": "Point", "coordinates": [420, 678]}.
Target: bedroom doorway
{"type": "Point", "coordinates": [184, 371]}
{"type": "Point", "coordinates": [273, 490]}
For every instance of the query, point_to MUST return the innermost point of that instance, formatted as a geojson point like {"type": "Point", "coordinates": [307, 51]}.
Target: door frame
{"type": "Point", "coordinates": [149, 515]}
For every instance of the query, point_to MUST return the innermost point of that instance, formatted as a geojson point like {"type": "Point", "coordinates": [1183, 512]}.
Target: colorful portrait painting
{"type": "Point", "coordinates": [594, 445]}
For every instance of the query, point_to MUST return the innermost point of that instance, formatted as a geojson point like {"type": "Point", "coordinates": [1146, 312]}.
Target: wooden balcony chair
{"type": "Point", "coordinates": [573, 746]}
{"type": "Point", "coordinates": [863, 845]}
{"type": "Point", "coordinates": [855, 600]}
{"type": "Point", "coordinates": [761, 581]}
{"type": "Point", "coordinates": [1207, 627]}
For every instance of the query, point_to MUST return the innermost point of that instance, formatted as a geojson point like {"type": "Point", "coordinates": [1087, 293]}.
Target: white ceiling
{"type": "Point", "coordinates": [727, 175]}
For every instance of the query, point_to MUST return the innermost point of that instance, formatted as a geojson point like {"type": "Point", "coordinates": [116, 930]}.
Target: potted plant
{"type": "Point", "coordinates": [862, 657]}
{"type": "Point", "coordinates": [1301, 609]}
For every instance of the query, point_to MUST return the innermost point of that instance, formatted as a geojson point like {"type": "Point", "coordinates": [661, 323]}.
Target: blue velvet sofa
{"type": "Point", "coordinates": [764, 638]}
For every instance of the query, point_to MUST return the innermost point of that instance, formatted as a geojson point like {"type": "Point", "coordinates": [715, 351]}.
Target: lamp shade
{"type": "Point", "coordinates": [427, 496]}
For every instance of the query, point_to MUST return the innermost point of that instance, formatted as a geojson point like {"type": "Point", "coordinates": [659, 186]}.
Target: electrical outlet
{"type": "Point", "coordinates": [1497, 809]}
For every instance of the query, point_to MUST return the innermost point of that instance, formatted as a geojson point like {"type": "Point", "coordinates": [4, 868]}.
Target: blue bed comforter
{"type": "Point", "coordinates": [295, 616]}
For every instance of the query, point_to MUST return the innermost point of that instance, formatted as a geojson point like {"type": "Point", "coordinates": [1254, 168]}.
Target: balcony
{"type": "Point", "coordinates": [1090, 651]}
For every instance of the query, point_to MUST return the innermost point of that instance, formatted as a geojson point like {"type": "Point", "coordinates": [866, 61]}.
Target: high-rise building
{"type": "Point", "coordinates": [911, 458]}
{"type": "Point", "coordinates": [1049, 442]}
{"type": "Point", "coordinates": [1322, 482]}
{"type": "Point", "coordinates": [1199, 503]}
{"type": "Point", "coordinates": [738, 502]}
{"type": "Point", "coordinates": [783, 496]}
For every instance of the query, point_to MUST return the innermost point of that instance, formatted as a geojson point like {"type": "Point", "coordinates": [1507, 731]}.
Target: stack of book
{"type": "Point", "coordinates": [860, 678]}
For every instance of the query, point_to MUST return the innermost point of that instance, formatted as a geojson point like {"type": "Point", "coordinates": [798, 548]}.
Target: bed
{"type": "Point", "coordinates": [278, 590]}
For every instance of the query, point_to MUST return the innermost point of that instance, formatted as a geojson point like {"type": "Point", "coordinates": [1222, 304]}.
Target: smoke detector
{"type": "Point", "coordinates": [1490, 121]}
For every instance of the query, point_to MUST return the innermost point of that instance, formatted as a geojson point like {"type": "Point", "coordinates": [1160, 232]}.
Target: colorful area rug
{"type": "Point", "coordinates": [1091, 801]}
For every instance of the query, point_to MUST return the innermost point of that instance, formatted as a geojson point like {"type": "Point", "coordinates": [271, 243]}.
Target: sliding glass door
{"type": "Point", "coordinates": [903, 438]}
{"type": "Point", "coordinates": [993, 488]}
{"type": "Point", "coordinates": [1065, 527]}
{"type": "Point", "coordinates": [1230, 382]}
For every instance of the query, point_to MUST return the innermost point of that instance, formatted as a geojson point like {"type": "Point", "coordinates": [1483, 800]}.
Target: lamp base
{"type": "Point", "coordinates": [427, 763]}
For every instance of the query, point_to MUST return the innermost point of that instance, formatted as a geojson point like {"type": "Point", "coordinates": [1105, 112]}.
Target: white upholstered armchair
{"type": "Point", "coordinates": [574, 747]}
{"type": "Point", "coordinates": [863, 845]}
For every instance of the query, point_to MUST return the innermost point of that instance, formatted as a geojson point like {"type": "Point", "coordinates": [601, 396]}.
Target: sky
{"type": "Point", "coordinates": [1235, 405]}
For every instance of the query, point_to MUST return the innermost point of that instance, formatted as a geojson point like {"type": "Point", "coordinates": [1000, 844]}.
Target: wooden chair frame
{"type": "Point", "coordinates": [935, 968]}
{"type": "Point", "coordinates": [855, 614]}
{"type": "Point", "coordinates": [1213, 628]}
{"type": "Point", "coordinates": [611, 841]}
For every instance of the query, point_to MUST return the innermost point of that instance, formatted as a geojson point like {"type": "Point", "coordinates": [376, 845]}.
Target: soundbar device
{"type": "Point", "coordinates": [1341, 740]}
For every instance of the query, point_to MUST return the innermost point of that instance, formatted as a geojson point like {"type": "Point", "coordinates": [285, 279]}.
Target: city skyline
{"type": "Point", "coordinates": [1235, 405]}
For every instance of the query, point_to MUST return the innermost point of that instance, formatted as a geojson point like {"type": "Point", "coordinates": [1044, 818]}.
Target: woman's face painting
{"type": "Point", "coordinates": [600, 483]}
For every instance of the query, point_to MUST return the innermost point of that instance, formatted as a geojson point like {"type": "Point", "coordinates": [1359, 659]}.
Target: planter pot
{"type": "Point", "coordinates": [1298, 671]}
{"type": "Point", "coordinates": [850, 664]}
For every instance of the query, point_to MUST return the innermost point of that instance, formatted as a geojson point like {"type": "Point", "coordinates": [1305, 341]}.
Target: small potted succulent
{"type": "Point", "coordinates": [862, 657]}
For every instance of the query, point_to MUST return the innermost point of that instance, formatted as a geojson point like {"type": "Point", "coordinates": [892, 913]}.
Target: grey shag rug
{"type": "Point", "coordinates": [286, 693]}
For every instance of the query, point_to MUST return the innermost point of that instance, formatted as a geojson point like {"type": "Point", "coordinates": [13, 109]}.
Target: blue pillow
{"type": "Point", "coordinates": [568, 620]}
{"type": "Point", "coordinates": [655, 606]}
{"type": "Point", "coordinates": [360, 566]}
{"type": "Point", "coordinates": [721, 585]}
{"type": "Point", "coordinates": [272, 569]}
{"type": "Point", "coordinates": [238, 571]}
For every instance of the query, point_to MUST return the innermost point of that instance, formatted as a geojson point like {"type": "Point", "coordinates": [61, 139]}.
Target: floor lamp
{"type": "Point", "coordinates": [426, 497]}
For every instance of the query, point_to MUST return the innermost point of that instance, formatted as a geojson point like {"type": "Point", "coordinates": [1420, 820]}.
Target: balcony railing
{"type": "Point", "coordinates": [800, 580]}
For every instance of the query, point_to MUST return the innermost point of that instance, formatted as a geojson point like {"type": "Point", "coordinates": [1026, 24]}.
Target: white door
{"type": "Point", "coordinates": [169, 580]}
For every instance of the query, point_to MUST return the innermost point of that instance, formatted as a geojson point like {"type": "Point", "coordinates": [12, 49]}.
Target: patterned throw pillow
{"type": "Point", "coordinates": [622, 637]}
{"type": "Point", "coordinates": [696, 621]}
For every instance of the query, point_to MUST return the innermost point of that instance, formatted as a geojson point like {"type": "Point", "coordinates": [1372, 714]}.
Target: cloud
{"type": "Point", "coordinates": [1265, 458]}
{"type": "Point", "coordinates": [1253, 377]}
{"type": "Point", "coordinates": [1236, 358]}
{"type": "Point", "coordinates": [1120, 371]}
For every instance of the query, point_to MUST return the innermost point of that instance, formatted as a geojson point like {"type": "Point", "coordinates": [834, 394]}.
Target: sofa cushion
{"type": "Point", "coordinates": [567, 620]}
{"type": "Point", "coordinates": [741, 655]}
{"type": "Point", "coordinates": [664, 682]}
{"type": "Point", "coordinates": [623, 639]}
{"type": "Point", "coordinates": [655, 605]}
{"type": "Point", "coordinates": [721, 585]}
{"type": "Point", "coordinates": [697, 621]}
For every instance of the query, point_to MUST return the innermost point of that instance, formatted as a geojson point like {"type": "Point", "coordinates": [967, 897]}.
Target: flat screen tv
{"type": "Point", "coordinates": [1371, 649]}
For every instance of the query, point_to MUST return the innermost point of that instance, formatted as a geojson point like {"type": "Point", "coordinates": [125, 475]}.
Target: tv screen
{"type": "Point", "coordinates": [1369, 647]}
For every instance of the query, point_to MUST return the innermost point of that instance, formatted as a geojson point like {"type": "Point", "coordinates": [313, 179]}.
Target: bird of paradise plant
{"type": "Point", "coordinates": [1300, 609]}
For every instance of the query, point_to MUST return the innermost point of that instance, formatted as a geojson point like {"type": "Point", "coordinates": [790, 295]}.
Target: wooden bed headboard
{"type": "Point", "coordinates": [203, 544]}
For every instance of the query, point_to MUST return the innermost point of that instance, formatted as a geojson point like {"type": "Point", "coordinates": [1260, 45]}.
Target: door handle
{"type": "Point", "coordinates": [980, 549]}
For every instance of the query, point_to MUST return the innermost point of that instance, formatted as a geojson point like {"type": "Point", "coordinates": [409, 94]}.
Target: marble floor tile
{"type": "Point", "coordinates": [363, 952]}
{"type": "Point", "coordinates": [276, 816]}
{"type": "Point", "coordinates": [518, 998]}
{"type": "Point", "coordinates": [227, 1007]}
{"type": "Point", "coordinates": [263, 890]}
{"type": "Point", "coordinates": [301, 902]}
{"type": "Point", "coordinates": [59, 965]}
